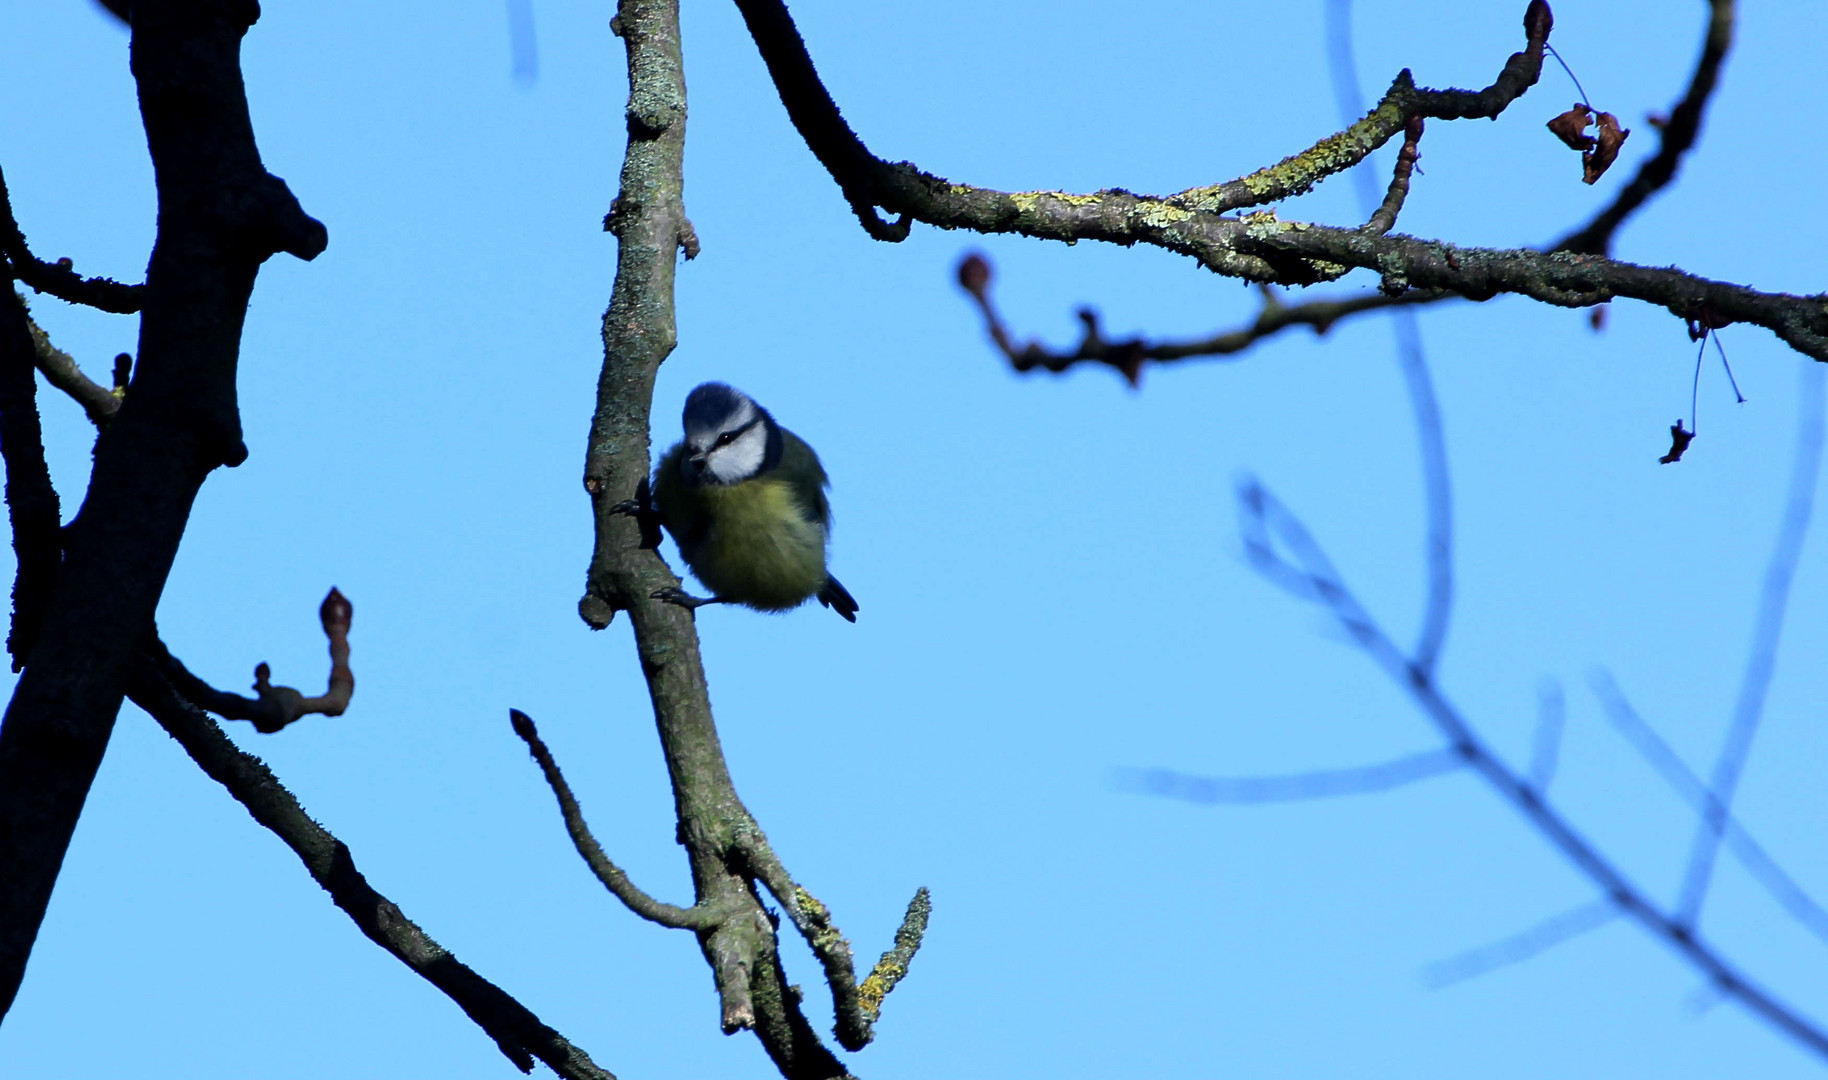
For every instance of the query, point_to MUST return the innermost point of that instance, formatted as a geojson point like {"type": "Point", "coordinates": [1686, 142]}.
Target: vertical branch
{"type": "Point", "coordinates": [220, 215]}
{"type": "Point", "coordinates": [31, 501]}
{"type": "Point", "coordinates": [649, 222]}
{"type": "Point", "coordinates": [1436, 481]}
{"type": "Point", "coordinates": [1805, 469]}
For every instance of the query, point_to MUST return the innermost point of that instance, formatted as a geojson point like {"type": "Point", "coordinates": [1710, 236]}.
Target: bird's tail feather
{"type": "Point", "coordinates": [838, 598]}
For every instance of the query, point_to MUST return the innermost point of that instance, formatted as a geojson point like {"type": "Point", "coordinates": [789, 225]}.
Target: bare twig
{"type": "Point", "coordinates": [58, 278]}
{"type": "Point", "coordinates": [1805, 469]}
{"type": "Point", "coordinates": [613, 877]}
{"type": "Point", "coordinates": [274, 707]}
{"type": "Point", "coordinates": [1319, 784]}
{"type": "Point", "coordinates": [1520, 946]}
{"type": "Point", "coordinates": [1383, 219]}
{"type": "Point", "coordinates": [520, 1035]}
{"type": "Point", "coordinates": [1128, 356]}
{"type": "Point", "coordinates": [1270, 530]}
{"type": "Point", "coordinates": [60, 370]}
{"type": "Point", "coordinates": [1790, 895]}
{"type": "Point", "coordinates": [1545, 748]}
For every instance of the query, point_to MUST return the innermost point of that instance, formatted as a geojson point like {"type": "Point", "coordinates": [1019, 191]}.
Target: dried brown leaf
{"type": "Point", "coordinates": [1678, 442]}
{"type": "Point", "coordinates": [1571, 128]}
{"type": "Point", "coordinates": [1595, 162]}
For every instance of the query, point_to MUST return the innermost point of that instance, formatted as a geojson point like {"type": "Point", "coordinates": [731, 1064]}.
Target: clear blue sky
{"type": "Point", "coordinates": [1050, 572]}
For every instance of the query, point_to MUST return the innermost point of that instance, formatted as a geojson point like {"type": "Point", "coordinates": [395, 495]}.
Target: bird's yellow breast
{"type": "Point", "coordinates": [759, 548]}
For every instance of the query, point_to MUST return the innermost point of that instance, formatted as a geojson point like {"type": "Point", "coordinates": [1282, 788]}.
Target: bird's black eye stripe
{"type": "Point", "coordinates": [728, 437]}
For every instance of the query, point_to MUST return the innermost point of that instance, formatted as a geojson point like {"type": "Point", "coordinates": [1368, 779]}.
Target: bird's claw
{"type": "Point", "coordinates": [679, 597]}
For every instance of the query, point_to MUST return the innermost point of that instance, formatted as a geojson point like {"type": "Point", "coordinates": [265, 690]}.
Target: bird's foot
{"type": "Point", "coordinates": [681, 598]}
{"type": "Point", "coordinates": [641, 508]}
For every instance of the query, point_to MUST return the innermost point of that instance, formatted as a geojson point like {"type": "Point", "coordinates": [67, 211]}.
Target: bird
{"type": "Point", "coordinates": [744, 498]}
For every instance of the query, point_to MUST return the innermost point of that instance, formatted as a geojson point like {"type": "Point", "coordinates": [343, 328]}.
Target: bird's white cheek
{"type": "Point", "coordinates": [741, 459]}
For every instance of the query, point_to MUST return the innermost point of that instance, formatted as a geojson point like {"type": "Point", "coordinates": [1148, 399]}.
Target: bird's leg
{"type": "Point", "coordinates": [685, 599]}
{"type": "Point", "coordinates": [641, 508]}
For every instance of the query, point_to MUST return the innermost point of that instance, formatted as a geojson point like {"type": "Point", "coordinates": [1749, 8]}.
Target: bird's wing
{"type": "Point", "coordinates": [799, 468]}
{"type": "Point", "coordinates": [679, 511]}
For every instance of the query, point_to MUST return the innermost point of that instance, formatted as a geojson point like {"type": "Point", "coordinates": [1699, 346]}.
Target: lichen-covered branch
{"type": "Point", "coordinates": [61, 370]}
{"type": "Point", "coordinates": [1262, 247]}
{"type": "Point", "coordinates": [274, 707]}
{"type": "Point", "coordinates": [735, 931]}
{"type": "Point", "coordinates": [520, 1035]}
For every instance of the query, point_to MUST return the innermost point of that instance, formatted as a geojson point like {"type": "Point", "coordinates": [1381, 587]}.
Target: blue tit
{"type": "Point", "coordinates": [745, 500]}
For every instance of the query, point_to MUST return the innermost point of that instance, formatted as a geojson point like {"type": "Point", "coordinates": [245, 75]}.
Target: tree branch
{"type": "Point", "coordinates": [31, 500]}
{"type": "Point", "coordinates": [1676, 136]}
{"type": "Point", "coordinates": [1751, 854]}
{"type": "Point", "coordinates": [60, 370]}
{"type": "Point", "coordinates": [276, 706]}
{"type": "Point", "coordinates": [1319, 784]}
{"type": "Point", "coordinates": [1269, 529]}
{"type": "Point", "coordinates": [722, 840]}
{"type": "Point", "coordinates": [220, 215]}
{"type": "Point", "coordinates": [519, 1034]}
{"type": "Point", "coordinates": [612, 876]}
{"type": "Point", "coordinates": [1761, 665]}
{"type": "Point", "coordinates": [58, 278]}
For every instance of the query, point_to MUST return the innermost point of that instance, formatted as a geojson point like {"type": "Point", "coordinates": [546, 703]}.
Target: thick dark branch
{"type": "Point", "coordinates": [58, 278]}
{"type": "Point", "coordinates": [220, 215]}
{"type": "Point", "coordinates": [275, 706]}
{"type": "Point", "coordinates": [1677, 135]}
{"type": "Point", "coordinates": [1319, 784]}
{"type": "Point", "coordinates": [516, 1030]}
{"type": "Point", "coordinates": [31, 500]}
{"type": "Point", "coordinates": [612, 876]}
{"type": "Point", "coordinates": [1270, 530]}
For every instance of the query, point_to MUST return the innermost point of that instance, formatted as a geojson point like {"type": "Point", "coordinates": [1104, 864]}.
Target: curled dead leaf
{"type": "Point", "coordinates": [1571, 128]}
{"type": "Point", "coordinates": [1679, 438]}
{"type": "Point", "coordinates": [1595, 162]}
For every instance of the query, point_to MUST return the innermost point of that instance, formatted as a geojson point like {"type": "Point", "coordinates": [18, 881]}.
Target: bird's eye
{"type": "Point", "coordinates": [726, 438]}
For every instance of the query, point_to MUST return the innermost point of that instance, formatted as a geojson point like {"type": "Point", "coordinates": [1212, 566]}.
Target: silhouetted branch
{"type": "Point", "coordinates": [221, 215]}
{"type": "Point", "coordinates": [1128, 356]}
{"type": "Point", "coordinates": [613, 877]}
{"type": "Point", "coordinates": [1751, 854]}
{"type": "Point", "coordinates": [1319, 784]}
{"type": "Point", "coordinates": [31, 500]}
{"type": "Point", "coordinates": [1521, 946]}
{"type": "Point", "coordinates": [58, 278]}
{"type": "Point", "coordinates": [519, 1034]}
{"type": "Point", "coordinates": [1269, 530]}
{"type": "Point", "coordinates": [1805, 469]}
{"type": "Point", "coordinates": [275, 706]}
